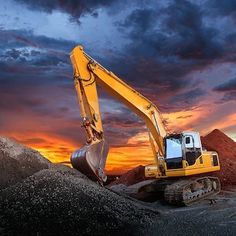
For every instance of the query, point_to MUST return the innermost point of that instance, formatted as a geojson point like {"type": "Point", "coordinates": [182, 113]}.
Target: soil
{"type": "Point", "coordinates": [226, 148]}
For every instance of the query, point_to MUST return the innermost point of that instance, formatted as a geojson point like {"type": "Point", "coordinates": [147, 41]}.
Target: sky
{"type": "Point", "coordinates": [180, 54]}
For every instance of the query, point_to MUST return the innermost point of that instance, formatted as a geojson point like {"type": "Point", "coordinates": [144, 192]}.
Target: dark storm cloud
{"type": "Point", "coordinates": [122, 126]}
{"type": "Point", "coordinates": [159, 82]}
{"type": "Point", "coordinates": [18, 76]}
{"type": "Point", "coordinates": [13, 53]}
{"type": "Point", "coordinates": [229, 96]}
{"type": "Point", "coordinates": [125, 119]}
{"type": "Point", "coordinates": [71, 131]}
{"type": "Point", "coordinates": [167, 44]}
{"type": "Point", "coordinates": [29, 59]}
{"type": "Point", "coordinates": [75, 8]}
{"type": "Point", "coordinates": [23, 38]}
{"type": "Point", "coordinates": [228, 89]}
{"type": "Point", "coordinates": [192, 39]}
{"type": "Point", "coordinates": [175, 31]}
{"type": "Point", "coordinates": [188, 98]}
{"type": "Point", "coordinates": [224, 8]}
{"type": "Point", "coordinates": [141, 20]}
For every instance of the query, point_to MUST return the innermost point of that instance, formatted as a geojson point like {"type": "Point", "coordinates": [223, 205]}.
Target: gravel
{"type": "Point", "coordinates": [21, 153]}
{"type": "Point", "coordinates": [18, 162]}
{"type": "Point", "coordinates": [57, 202]}
{"type": "Point", "coordinates": [41, 198]}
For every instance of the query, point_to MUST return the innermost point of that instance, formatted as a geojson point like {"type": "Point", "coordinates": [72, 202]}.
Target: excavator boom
{"type": "Point", "coordinates": [88, 73]}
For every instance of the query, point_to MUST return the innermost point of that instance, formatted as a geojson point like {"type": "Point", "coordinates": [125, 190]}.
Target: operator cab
{"type": "Point", "coordinates": [184, 146]}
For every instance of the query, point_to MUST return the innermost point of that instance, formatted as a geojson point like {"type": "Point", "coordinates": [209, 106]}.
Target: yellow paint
{"type": "Point", "coordinates": [198, 168]}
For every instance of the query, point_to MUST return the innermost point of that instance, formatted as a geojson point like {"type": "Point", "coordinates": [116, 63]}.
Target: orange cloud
{"type": "Point", "coordinates": [186, 119]}
{"type": "Point", "coordinates": [224, 122]}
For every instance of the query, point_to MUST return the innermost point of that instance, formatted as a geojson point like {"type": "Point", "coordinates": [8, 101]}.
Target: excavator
{"type": "Point", "coordinates": [180, 163]}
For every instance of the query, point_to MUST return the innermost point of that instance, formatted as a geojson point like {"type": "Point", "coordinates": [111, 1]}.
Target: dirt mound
{"type": "Point", "coordinates": [18, 162]}
{"type": "Point", "coordinates": [220, 142]}
{"type": "Point", "coordinates": [131, 177]}
{"type": "Point", "coordinates": [226, 148]}
{"type": "Point", "coordinates": [63, 202]}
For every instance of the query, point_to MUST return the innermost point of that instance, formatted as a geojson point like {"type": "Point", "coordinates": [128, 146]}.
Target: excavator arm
{"type": "Point", "coordinates": [87, 74]}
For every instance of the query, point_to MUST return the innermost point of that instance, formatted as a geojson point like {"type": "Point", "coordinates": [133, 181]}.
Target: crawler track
{"type": "Point", "coordinates": [187, 191]}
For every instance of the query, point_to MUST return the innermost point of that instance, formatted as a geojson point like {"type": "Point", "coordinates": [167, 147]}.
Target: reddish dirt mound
{"type": "Point", "coordinates": [131, 177]}
{"type": "Point", "coordinates": [226, 148]}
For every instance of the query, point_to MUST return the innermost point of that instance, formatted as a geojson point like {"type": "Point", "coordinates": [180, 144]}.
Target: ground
{"type": "Point", "coordinates": [41, 198]}
{"type": "Point", "coordinates": [203, 218]}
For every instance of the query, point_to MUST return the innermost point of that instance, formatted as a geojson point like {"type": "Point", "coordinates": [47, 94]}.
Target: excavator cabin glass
{"type": "Point", "coordinates": [180, 147]}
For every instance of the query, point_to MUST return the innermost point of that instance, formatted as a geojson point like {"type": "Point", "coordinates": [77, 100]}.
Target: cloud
{"type": "Point", "coordinates": [173, 31]}
{"type": "Point", "coordinates": [26, 38]}
{"type": "Point", "coordinates": [74, 8]}
{"type": "Point", "coordinates": [228, 121]}
{"type": "Point", "coordinates": [27, 59]}
{"type": "Point", "coordinates": [120, 127]}
{"type": "Point", "coordinates": [227, 86]}
{"type": "Point", "coordinates": [188, 98]}
{"type": "Point", "coordinates": [165, 45]}
{"type": "Point", "coordinates": [193, 39]}
{"type": "Point", "coordinates": [224, 8]}
{"type": "Point", "coordinates": [229, 90]}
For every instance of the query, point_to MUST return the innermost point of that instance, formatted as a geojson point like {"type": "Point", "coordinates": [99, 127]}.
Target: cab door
{"type": "Point", "coordinates": [192, 151]}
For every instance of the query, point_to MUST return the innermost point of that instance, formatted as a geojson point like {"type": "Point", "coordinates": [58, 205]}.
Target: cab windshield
{"type": "Point", "coordinates": [173, 147]}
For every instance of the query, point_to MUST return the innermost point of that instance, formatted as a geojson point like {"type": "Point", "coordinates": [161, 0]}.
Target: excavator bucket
{"type": "Point", "coordinates": [91, 159]}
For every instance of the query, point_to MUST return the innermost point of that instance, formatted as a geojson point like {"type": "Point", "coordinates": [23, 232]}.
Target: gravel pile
{"type": "Point", "coordinates": [18, 162]}
{"type": "Point", "coordinates": [58, 200]}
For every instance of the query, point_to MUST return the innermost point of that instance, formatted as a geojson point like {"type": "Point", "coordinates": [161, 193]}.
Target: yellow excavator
{"type": "Point", "coordinates": [177, 156]}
